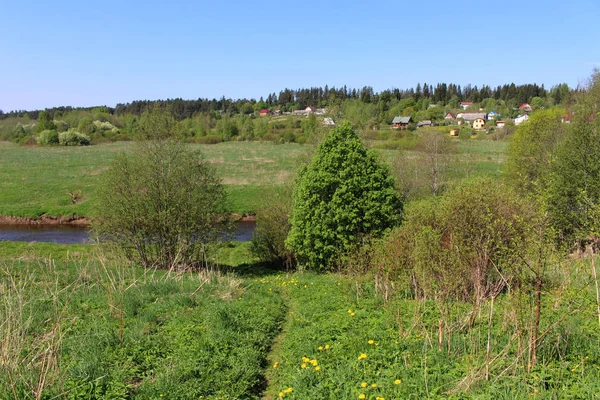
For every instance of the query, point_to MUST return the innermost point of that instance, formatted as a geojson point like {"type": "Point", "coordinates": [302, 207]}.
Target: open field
{"type": "Point", "coordinates": [36, 181]}
{"type": "Point", "coordinates": [81, 326]}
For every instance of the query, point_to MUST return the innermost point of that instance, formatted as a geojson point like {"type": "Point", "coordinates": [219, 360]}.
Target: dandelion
{"type": "Point", "coordinates": [305, 359]}
{"type": "Point", "coordinates": [280, 394]}
{"type": "Point", "coordinates": [314, 362]}
{"type": "Point", "coordinates": [349, 311]}
{"type": "Point", "coordinates": [371, 342]}
{"type": "Point", "coordinates": [288, 390]}
{"type": "Point", "coordinates": [362, 356]}
{"type": "Point", "coordinates": [364, 384]}
{"type": "Point", "coordinates": [352, 314]}
{"type": "Point", "coordinates": [276, 364]}
{"type": "Point", "coordinates": [327, 347]}
{"type": "Point", "coordinates": [303, 365]}
{"type": "Point", "coordinates": [374, 386]}
{"type": "Point", "coordinates": [320, 348]}
{"type": "Point", "coordinates": [362, 396]}
{"type": "Point", "coordinates": [317, 368]}
{"type": "Point", "coordinates": [397, 382]}
{"type": "Point", "coordinates": [379, 398]}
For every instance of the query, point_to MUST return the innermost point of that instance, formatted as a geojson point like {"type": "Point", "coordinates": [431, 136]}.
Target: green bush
{"type": "Point", "coordinates": [48, 138]}
{"type": "Point", "coordinates": [73, 138]}
{"type": "Point", "coordinates": [273, 227]}
{"type": "Point", "coordinates": [343, 197]}
{"type": "Point", "coordinates": [159, 204]}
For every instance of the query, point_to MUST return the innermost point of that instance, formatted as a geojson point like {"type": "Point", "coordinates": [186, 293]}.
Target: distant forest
{"type": "Point", "coordinates": [441, 94]}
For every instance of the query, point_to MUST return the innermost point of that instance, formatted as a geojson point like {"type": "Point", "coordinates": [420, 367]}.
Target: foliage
{"type": "Point", "coordinates": [532, 151]}
{"type": "Point", "coordinates": [341, 198]}
{"type": "Point", "coordinates": [159, 205]}
{"type": "Point", "coordinates": [73, 138]}
{"type": "Point", "coordinates": [462, 245]}
{"type": "Point", "coordinates": [45, 122]}
{"type": "Point", "coordinates": [273, 227]}
{"type": "Point", "coordinates": [48, 138]}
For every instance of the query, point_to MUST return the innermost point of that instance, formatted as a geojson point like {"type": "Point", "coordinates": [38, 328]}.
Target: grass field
{"type": "Point", "coordinates": [37, 181]}
{"type": "Point", "coordinates": [76, 326]}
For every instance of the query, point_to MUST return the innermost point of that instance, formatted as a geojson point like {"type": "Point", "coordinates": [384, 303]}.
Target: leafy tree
{"type": "Point", "coordinates": [45, 122]}
{"type": "Point", "coordinates": [574, 193]}
{"type": "Point", "coordinates": [342, 197]}
{"type": "Point", "coordinates": [159, 204]}
{"type": "Point", "coordinates": [532, 151]}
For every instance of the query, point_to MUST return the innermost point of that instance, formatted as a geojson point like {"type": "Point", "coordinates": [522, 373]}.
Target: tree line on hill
{"type": "Point", "coordinates": [212, 121]}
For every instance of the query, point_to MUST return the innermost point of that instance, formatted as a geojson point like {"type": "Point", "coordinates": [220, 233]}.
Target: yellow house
{"type": "Point", "coordinates": [453, 132]}
{"type": "Point", "coordinates": [479, 123]}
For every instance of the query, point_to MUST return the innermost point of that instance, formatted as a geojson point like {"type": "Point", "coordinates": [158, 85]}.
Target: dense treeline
{"type": "Point", "coordinates": [289, 99]}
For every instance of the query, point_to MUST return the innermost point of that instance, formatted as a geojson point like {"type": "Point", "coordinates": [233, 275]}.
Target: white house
{"type": "Point", "coordinates": [519, 120]}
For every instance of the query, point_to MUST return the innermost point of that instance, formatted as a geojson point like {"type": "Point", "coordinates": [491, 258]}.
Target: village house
{"type": "Point", "coordinates": [525, 108]}
{"type": "Point", "coordinates": [479, 123]}
{"type": "Point", "coordinates": [493, 114]}
{"type": "Point", "coordinates": [473, 119]}
{"type": "Point", "coordinates": [424, 123]}
{"type": "Point", "coordinates": [277, 112]}
{"type": "Point", "coordinates": [519, 120]}
{"type": "Point", "coordinates": [465, 104]}
{"type": "Point", "coordinates": [453, 132]}
{"type": "Point", "coordinates": [449, 116]}
{"type": "Point", "coordinates": [265, 112]}
{"type": "Point", "coordinates": [401, 122]}
{"type": "Point", "coordinates": [500, 124]}
{"type": "Point", "coordinates": [328, 122]}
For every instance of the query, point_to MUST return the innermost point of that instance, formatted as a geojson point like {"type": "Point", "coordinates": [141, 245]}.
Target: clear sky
{"type": "Point", "coordinates": [84, 53]}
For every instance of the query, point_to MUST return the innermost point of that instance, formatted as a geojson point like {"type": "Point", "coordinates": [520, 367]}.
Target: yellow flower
{"type": "Point", "coordinates": [303, 365]}
{"type": "Point", "coordinates": [379, 398]}
{"type": "Point", "coordinates": [374, 385]}
{"type": "Point", "coordinates": [305, 359]}
{"type": "Point", "coordinates": [362, 396]}
{"type": "Point", "coordinates": [320, 348]}
{"type": "Point", "coordinates": [349, 311]}
{"type": "Point", "coordinates": [317, 368]}
{"type": "Point", "coordinates": [364, 384]}
{"type": "Point", "coordinates": [362, 356]}
{"type": "Point", "coordinates": [288, 390]}
{"type": "Point", "coordinates": [280, 394]}
{"type": "Point", "coordinates": [276, 364]}
{"type": "Point", "coordinates": [314, 362]}
{"type": "Point", "coordinates": [371, 342]}
{"type": "Point", "coordinates": [327, 347]}
{"type": "Point", "coordinates": [352, 314]}
{"type": "Point", "coordinates": [397, 382]}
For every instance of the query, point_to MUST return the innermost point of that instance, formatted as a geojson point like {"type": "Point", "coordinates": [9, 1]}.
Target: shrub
{"type": "Point", "coordinates": [159, 205]}
{"type": "Point", "coordinates": [48, 138]}
{"type": "Point", "coordinates": [73, 138]}
{"type": "Point", "coordinates": [343, 196]}
{"type": "Point", "coordinates": [209, 139]}
{"type": "Point", "coordinates": [273, 227]}
{"type": "Point", "coordinates": [465, 244]}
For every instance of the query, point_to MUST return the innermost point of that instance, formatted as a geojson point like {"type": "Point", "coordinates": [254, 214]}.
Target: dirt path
{"type": "Point", "coordinates": [271, 392]}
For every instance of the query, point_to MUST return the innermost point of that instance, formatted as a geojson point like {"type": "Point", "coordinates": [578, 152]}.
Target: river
{"type": "Point", "coordinates": [74, 234]}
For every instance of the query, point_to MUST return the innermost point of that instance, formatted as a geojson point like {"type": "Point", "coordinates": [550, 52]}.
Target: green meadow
{"type": "Point", "coordinates": [78, 325]}
{"type": "Point", "coordinates": [39, 181]}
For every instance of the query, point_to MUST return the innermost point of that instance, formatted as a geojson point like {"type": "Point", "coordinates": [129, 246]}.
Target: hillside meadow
{"type": "Point", "coordinates": [41, 180]}
{"type": "Point", "coordinates": [79, 325]}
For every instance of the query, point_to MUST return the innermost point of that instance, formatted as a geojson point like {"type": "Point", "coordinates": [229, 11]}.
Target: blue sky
{"type": "Point", "coordinates": [113, 52]}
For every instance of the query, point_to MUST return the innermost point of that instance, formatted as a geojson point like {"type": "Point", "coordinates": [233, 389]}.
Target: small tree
{"type": "Point", "coordinates": [160, 205]}
{"type": "Point", "coordinates": [344, 196]}
{"type": "Point", "coordinates": [45, 122]}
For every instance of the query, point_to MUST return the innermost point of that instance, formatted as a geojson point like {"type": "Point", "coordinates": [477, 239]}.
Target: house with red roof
{"type": "Point", "coordinates": [264, 112]}
{"type": "Point", "coordinates": [466, 104]}
{"type": "Point", "coordinates": [525, 107]}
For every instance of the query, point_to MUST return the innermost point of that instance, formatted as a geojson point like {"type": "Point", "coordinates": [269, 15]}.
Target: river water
{"type": "Point", "coordinates": [73, 234]}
